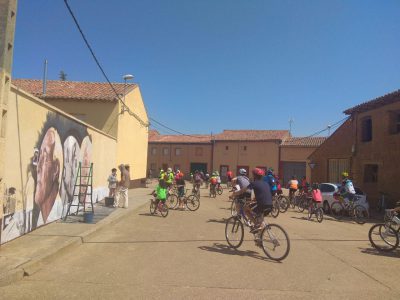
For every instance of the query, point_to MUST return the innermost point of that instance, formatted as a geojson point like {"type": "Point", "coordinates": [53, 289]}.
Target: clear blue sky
{"type": "Point", "coordinates": [211, 65]}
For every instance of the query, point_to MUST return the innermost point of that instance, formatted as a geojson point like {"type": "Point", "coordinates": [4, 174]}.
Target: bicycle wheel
{"type": "Point", "coordinates": [172, 201]}
{"type": "Point", "coordinates": [234, 232]}
{"type": "Point", "coordinates": [275, 242]}
{"type": "Point", "coordinates": [233, 209]}
{"type": "Point", "coordinates": [360, 214]}
{"type": "Point", "coordinates": [192, 203]}
{"type": "Point", "coordinates": [337, 209]}
{"type": "Point", "coordinates": [309, 212]}
{"type": "Point", "coordinates": [164, 210]}
{"type": "Point", "coordinates": [293, 201]}
{"type": "Point", "coordinates": [220, 190]}
{"type": "Point", "coordinates": [319, 214]}
{"type": "Point", "coordinates": [383, 238]}
{"type": "Point", "coordinates": [302, 204]}
{"type": "Point", "coordinates": [283, 203]}
{"type": "Point", "coordinates": [275, 209]}
{"type": "Point", "coordinates": [152, 207]}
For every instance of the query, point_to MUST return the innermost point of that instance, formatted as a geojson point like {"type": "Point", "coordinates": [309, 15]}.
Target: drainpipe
{"type": "Point", "coordinates": [212, 152]}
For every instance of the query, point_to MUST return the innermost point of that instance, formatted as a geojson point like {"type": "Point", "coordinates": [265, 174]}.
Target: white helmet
{"type": "Point", "coordinates": [169, 170]}
{"type": "Point", "coordinates": [242, 172]}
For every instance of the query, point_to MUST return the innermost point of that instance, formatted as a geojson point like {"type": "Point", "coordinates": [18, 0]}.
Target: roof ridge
{"type": "Point", "coordinates": [73, 81]}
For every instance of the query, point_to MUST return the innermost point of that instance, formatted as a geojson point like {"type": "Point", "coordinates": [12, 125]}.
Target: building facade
{"type": "Point", "coordinates": [294, 153]}
{"type": "Point", "coordinates": [232, 150]}
{"type": "Point", "coordinates": [247, 149]}
{"type": "Point", "coordinates": [367, 145]}
{"type": "Point", "coordinates": [96, 104]}
{"type": "Point", "coordinates": [186, 153]}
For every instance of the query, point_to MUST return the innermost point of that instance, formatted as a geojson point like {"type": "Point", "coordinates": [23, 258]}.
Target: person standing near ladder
{"type": "Point", "coordinates": [122, 195]}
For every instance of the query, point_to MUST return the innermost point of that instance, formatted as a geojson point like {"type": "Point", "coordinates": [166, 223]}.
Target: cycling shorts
{"type": "Point", "coordinates": [260, 210]}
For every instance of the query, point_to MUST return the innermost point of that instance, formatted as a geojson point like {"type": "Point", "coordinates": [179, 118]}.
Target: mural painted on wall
{"type": "Point", "coordinates": [61, 145]}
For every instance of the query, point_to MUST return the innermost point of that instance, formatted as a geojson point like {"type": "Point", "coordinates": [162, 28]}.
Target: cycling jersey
{"type": "Point", "coordinates": [161, 193]}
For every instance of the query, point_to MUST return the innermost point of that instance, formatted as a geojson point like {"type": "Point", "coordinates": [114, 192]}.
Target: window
{"type": "Point", "coordinates": [165, 151]}
{"type": "Point", "coordinates": [370, 173]}
{"type": "Point", "coordinates": [178, 151]}
{"type": "Point", "coordinates": [3, 123]}
{"type": "Point", "coordinates": [199, 151]}
{"type": "Point", "coordinates": [394, 122]}
{"type": "Point", "coordinates": [226, 147]}
{"type": "Point", "coordinates": [153, 151]}
{"type": "Point", "coordinates": [366, 129]}
{"type": "Point", "coordinates": [327, 188]}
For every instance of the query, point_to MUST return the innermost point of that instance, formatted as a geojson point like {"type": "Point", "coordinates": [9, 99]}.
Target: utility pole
{"type": "Point", "coordinates": [291, 121]}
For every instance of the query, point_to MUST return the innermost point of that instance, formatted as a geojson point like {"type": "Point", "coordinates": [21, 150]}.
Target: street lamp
{"type": "Point", "coordinates": [125, 77]}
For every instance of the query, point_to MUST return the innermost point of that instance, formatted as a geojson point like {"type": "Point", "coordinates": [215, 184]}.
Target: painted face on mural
{"type": "Point", "coordinates": [71, 160]}
{"type": "Point", "coordinates": [48, 172]}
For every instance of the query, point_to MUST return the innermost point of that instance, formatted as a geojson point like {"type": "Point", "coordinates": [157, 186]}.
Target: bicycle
{"type": "Point", "coordinates": [385, 236]}
{"type": "Point", "coordinates": [213, 191]}
{"type": "Point", "coordinates": [270, 237]}
{"type": "Point", "coordinates": [191, 202]}
{"type": "Point", "coordinates": [280, 201]}
{"type": "Point", "coordinates": [356, 211]}
{"type": "Point", "coordinates": [196, 190]}
{"type": "Point", "coordinates": [242, 202]}
{"type": "Point", "coordinates": [160, 207]}
{"type": "Point", "coordinates": [219, 189]}
{"type": "Point", "coordinates": [318, 211]}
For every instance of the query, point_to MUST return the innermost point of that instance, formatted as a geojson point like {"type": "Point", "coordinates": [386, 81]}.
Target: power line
{"type": "Point", "coordinates": [173, 130]}
{"type": "Point", "coordinates": [336, 124]}
{"type": "Point", "coordinates": [146, 124]}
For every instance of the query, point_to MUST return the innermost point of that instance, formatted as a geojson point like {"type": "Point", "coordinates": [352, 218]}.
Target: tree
{"type": "Point", "coordinates": [63, 76]}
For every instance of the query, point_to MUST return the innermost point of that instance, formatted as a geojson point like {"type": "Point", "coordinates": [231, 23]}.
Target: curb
{"type": "Point", "coordinates": [34, 265]}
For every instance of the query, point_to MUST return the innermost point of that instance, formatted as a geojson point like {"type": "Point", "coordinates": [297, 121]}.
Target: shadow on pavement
{"type": "Point", "coordinates": [373, 251]}
{"type": "Point", "coordinates": [221, 221]}
{"type": "Point", "coordinates": [149, 215]}
{"type": "Point", "coordinates": [225, 249]}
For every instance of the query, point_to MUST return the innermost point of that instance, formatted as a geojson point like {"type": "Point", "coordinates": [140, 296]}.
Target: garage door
{"type": "Point", "coordinates": [293, 168]}
{"type": "Point", "coordinates": [198, 167]}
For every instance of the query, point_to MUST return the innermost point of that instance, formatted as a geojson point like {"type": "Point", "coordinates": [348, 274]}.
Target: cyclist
{"type": "Point", "coordinates": [347, 189]}
{"type": "Point", "coordinates": [161, 175]}
{"type": "Point", "coordinates": [241, 182]}
{"type": "Point", "coordinates": [263, 204]}
{"type": "Point", "coordinates": [169, 178]}
{"type": "Point", "coordinates": [316, 195]}
{"type": "Point", "coordinates": [160, 192]}
{"type": "Point", "coordinates": [293, 185]}
{"type": "Point", "coordinates": [197, 180]}
{"type": "Point", "coordinates": [229, 176]}
{"type": "Point", "coordinates": [270, 179]}
{"type": "Point", "coordinates": [213, 183]}
{"type": "Point", "coordinates": [304, 184]}
{"type": "Point", "coordinates": [180, 183]}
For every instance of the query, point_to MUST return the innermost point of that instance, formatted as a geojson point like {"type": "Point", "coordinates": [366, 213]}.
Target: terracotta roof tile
{"type": "Point", "coordinates": [73, 90]}
{"type": "Point", "coordinates": [375, 103]}
{"type": "Point", "coordinates": [303, 141]}
{"type": "Point", "coordinates": [181, 139]}
{"type": "Point", "coordinates": [251, 135]}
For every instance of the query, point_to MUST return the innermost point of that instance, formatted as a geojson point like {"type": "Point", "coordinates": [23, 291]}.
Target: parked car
{"type": "Point", "coordinates": [329, 189]}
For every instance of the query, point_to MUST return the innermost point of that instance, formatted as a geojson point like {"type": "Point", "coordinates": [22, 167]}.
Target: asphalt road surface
{"type": "Point", "coordinates": [185, 256]}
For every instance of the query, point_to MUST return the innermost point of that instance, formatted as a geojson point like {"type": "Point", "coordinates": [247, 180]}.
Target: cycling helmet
{"type": "Point", "coordinates": [270, 171]}
{"type": "Point", "coordinates": [169, 170]}
{"type": "Point", "coordinates": [345, 174]}
{"type": "Point", "coordinates": [258, 172]}
{"type": "Point", "coordinates": [242, 172]}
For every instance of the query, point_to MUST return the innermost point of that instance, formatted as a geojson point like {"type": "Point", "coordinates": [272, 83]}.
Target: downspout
{"type": "Point", "coordinates": [212, 153]}
{"type": "Point", "coordinates": [279, 159]}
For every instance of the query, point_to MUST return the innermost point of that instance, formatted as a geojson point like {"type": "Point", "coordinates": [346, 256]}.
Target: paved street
{"type": "Point", "coordinates": [186, 256]}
